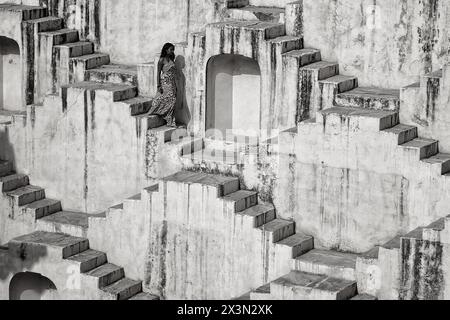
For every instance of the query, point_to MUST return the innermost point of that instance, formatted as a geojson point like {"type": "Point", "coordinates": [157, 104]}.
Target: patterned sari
{"type": "Point", "coordinates": [164, 103]}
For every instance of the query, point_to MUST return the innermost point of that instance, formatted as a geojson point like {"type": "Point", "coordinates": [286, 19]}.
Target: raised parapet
{"type": "Point", "coordinates": [294, 19]}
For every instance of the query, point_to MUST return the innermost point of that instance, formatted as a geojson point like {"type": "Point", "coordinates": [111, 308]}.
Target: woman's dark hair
{"type": "Point", "coordinates": [164, 50]}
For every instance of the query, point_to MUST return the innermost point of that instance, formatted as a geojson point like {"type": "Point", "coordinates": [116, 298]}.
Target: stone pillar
{"type": "Point", "coordinates": [294, 19]}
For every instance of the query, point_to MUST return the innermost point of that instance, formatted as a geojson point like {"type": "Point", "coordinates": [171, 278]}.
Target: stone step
{"type": "Point", "coordinates": [117, 92]}
{"type": "Point", "coordinates": [62, 245]}
{"type": "Point", "coordinates": [257, 29]}
{"type": "Point", "coordinates": [187, 145]}
{"type": "Point", "coordinates": [123, 289]}
{"type": "Point", "coordinates": [151, 121]}
{"type": "Point", "coordinates": [169, 133]}
{"type": "Point", "coordinates": [141, 105]}
{"type": "Point", "coordinates": [304, 56]}
{"type": "Point", "coordinates": [268, 14]}
{"type": "Point", "coordinates": [12, 182]}
{"type": "Point", "coordinates": [370, 98]}
{"type": "Point", "coordinates": [72, 223]}
{"type": "Point", "coordinates": [42, 208]}
{"type": "Point", "coordinates": [364, 297]}
{"type": "Point", "coordinates": [321, 70]}
{"type": "Point", "coordinates": [91, 61]}
{"type": "Point", "coordinates": [226, 186]}
{"type": "Point", "coordinates": [144, 296]}
{"type": "Point", "coordinates": [341, 83]}
{"type": "Point", "coordinates": [365, 119]}
{"type": "Point", "coordinates": [5, 168]}
{"type": "Point", "coordinates": [392, 244]}
{"type": "Point", "coordinates": [61, 36]}
{"type": "Point", "coordinates": [416, 234]}
{"type": "Point", "coordinates": [117, 209]}
{"type": "Point", "coordinates": [48, 24]}
{"type": "Point", "coordinates": [89, 260]}
{"type": "Point", "coordinates": [438, 74]}
{"type": "Point", "coordinates": [432, 232]}
{"type": "Point", "coordinates": [283, 44]}
{"type": "Point", "coordinates": [404, 132]}
{"type": "Point", "coordinates": [26, 12]}
{"type": "Point", "coordinates": [278, 230]}
{"type": "Point", "coordinates": [422, 148]}
{"type": "Point", "coordinates": [25, 195]}
{"type": "Point", "coordinates": [241, 200]}
{"type": "Point", "coordinates": [325, 262]}
{"type": "Point", "coordinates": [211, 156]}
{"type": "Point", "coordinates": [305, 286]}
{"type": "Point", "coordinates": [259, 214]}
{"type": "Point", "coordinates": [262, 293]}
{"type": "Point", "coordinates": [75, 49]}
{"type": "Point", "coordinates": [441, 161]}
{"type": "Point", "coordinates": [12, 116]}
{"type": "Point", "coordinates": [298, 244]}
{"type": "Point", "coordinates": [231, 143]}
{"type": "Point", "coordinates": [237, 3]}
{"type": "Point", "coordinates": [106, 274]}
{"type": "Point", "coordinates": [114, 73]}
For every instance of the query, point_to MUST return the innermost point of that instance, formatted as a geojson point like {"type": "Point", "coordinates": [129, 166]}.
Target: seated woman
{"type": "Point", "coordinates": [164, 103]}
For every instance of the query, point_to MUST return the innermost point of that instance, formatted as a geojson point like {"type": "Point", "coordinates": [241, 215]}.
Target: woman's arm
{"type": "Point", "coordinates": [160, 66]}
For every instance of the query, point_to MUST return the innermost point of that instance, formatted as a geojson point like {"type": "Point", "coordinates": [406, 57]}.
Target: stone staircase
{"type": "Point", "coordinates": [100, 279]}
{"type": "Point", "coordinates": [65, 231]}
{"type": "Point", "coordinates": [277, 235]}
{"type": "Point", "coordinates": [242, 10]}
{"type": "Point", "coordinates": [413, 261]}
{"type": "Point", "coordinates": [59, 58]}
{"type": "Point", "coordinates": [316, 275]}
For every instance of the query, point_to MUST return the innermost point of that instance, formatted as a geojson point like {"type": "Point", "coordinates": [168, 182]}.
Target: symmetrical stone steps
{"type": "Point", "coordinates": [244, 203]}
{"type": "Point", "coordinates": [365, 119]}
{"type": "Point", "coordinates": [331, 263]}
{"type": "Point", "coordinates": [73, 223]}
{"type": "Point", "coordinates": [370, 98]}
{"type": "Point", "coordinates": [90, 61]}
{"type": "Point", "coordinates": [115, 92]}
{"type": "Point", "coordinates": [316, 275]}
{"type": "Point", "coordinates": [62, 36]}
{"type": "Point", "coordinates": [93, 265]}
{"type": "Point", "coordinates": [248, 12]}
{"type": "Point", "coordinates": [47, 24]}
{"type": "Point", "coordinates": [26, 12]}
{"type": "Point", "coordinates": [425, 150]}
{"type": "Point", "coordinates": [75, 49]}
{"type": "Point", "coordinates": [122, 74]}
{"type": "Point", "coordinates": [306, 286]}
{"type": "Point", "coordinates": [341, 83]}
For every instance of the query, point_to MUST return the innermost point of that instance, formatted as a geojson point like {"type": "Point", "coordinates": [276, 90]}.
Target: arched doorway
{"type": "Point", "coordinates": [233, 94]}
{"type": "Point", "coordinates": [31, 286]}
{"type": "Point", "coordinates": [10, 75]}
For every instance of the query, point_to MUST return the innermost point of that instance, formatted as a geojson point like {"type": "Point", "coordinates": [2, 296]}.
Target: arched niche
{"type": "Point", "coordinates": [31, 286]}
{"type": "Point", "coordinates": [233, 94]}
{"type": "Point", "coordinates": [10, 75]}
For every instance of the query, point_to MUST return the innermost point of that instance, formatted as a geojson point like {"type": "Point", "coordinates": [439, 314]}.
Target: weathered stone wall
{"type": "Point", "coordinates": [384, 43]}
{"type": "Point", "coordinates": [133, 31]}
{"type": "Point", "coordinates": [352, 189]}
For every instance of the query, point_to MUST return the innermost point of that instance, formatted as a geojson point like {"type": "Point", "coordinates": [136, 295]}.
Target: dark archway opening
{"type": "Point", "coordinates": [31, 286]}
{"type": "Point", "coordinates": [233, 95]}
{"type": "Point", "coordinates": [10, 75]}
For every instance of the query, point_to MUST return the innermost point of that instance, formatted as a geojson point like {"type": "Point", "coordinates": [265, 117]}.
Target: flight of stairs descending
{"type": "Point", "coordinates": [29, 204]}
{"type": "Point", "coordinates": [279, 236]}
{"type": "Point", "coordinates": [413, 262]}
{"type": "Point", "coordinates": [102, 280]}
{"type": "Point", "coordinates": [316, 275]}
{"type": "Point", "coordinates": [242, 10]}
